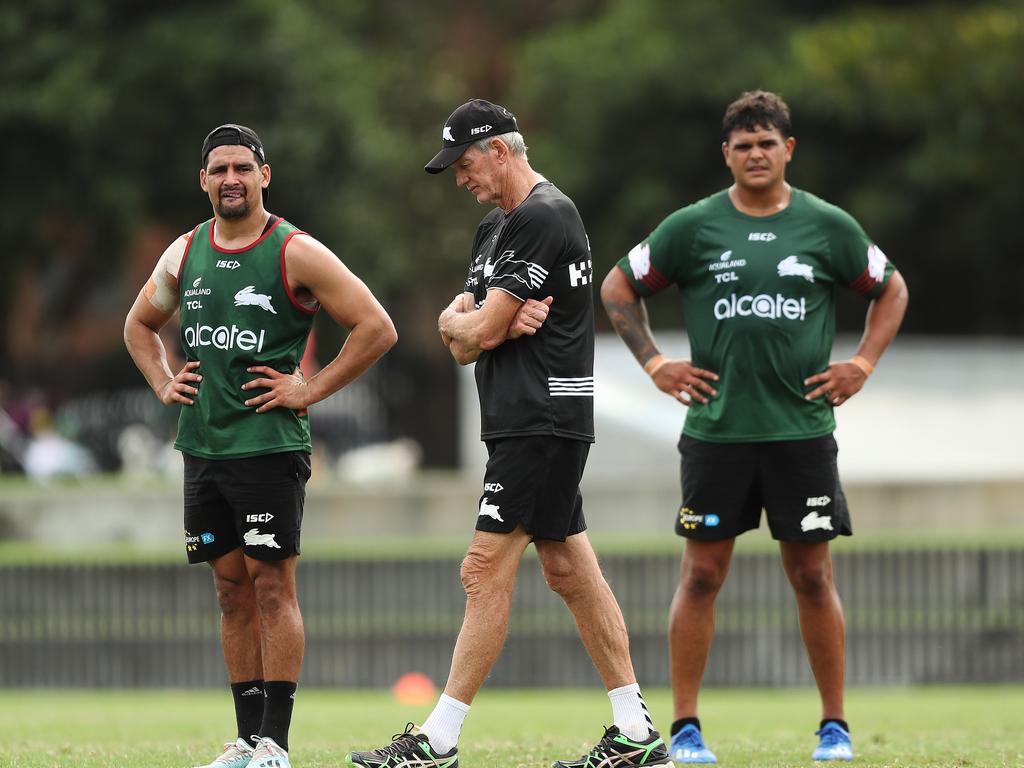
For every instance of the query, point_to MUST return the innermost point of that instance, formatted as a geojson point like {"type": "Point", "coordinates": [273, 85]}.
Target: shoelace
{"type": "Point", "coordinates": [830, 737]}
{"type": "Point", "coordinates": [231, 751]}
{"type": "Point", "coordinates": [604, 746]}
{"type": "Point", "coordinates": [692, 738]}
{"type": "Point", "coordinates": [401, 742]}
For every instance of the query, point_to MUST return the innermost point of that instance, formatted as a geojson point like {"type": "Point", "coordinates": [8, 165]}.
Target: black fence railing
{"type": "Point", "coordinates": [912, 617]}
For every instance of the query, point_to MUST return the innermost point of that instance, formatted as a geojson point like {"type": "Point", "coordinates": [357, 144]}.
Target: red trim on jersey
{"type": "Point", "coordinates": [284, 278]}
{"type": "Point", "coordinates": [864, 283]}
{"type": "Point", "coordinates": [184, 254]}
{"type": "Point", "coordinates": [253, 244]}
{"type": "Point", "coordinates": [654, 280]}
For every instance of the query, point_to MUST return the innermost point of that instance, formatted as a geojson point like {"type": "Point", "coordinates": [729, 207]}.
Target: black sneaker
{"type": "Point", "coordinates": [617, 751]}
{"type": "Point", "coordinates": [406, 750]}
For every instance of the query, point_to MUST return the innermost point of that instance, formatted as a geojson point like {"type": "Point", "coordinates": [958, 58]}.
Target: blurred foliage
{"type": "Point", "coordinates": [904, 113]}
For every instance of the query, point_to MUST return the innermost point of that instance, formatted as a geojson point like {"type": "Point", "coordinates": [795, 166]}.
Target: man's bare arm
{"type": "Point", "coordinates": [678, 378]}
{"type": "Point", "coordinates": [312, 267]}
{"type": "Point", "coordinates": [153, 308]}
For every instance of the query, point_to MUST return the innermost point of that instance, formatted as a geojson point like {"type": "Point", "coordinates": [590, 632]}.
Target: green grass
{"type": "Point", "coordinates": [966, 727]}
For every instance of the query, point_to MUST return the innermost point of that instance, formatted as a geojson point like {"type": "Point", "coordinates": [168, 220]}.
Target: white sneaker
{"type": "Point", "coordinates": [237, 754]}
{"type": "Point", "coordinates": [269, 755]}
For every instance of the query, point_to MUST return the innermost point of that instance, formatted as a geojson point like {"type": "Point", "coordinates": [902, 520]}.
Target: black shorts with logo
{"type": "Point", "coordinates": [255, 502]}
{"type": "Point", "coordinates": [534, 480]}
{"type": "Point", "coordinates": [796, 482]}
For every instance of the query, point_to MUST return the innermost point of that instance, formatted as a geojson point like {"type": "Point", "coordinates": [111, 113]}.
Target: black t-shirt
{"type": "Point", "coordinates": [541, 384]}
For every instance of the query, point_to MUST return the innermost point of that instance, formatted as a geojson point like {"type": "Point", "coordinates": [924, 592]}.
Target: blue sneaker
{"type": "Point", "coordinates": [835, 743]}
{"type": "Point", "coordinates": [236, 754]}
{"type": "Point", "coordinates": [688, 747]}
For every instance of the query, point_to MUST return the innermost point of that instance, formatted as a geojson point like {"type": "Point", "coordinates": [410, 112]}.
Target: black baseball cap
{"type": "Point", "coordinates": [231, 134]}
{"type": "Point", "coordinates": [474, 120]}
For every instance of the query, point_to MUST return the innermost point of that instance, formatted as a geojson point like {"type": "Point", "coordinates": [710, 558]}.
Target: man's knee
{"type": "Point", "coordinates": [235, 595]}
{"type": "Point", "coordinates": [812, 580]}
{"type": "Point", "coordinates": [563, 576]}
{"type": "Point", "coordinates": [703, 578]}
{"type": "Point", "coordinates": [273, 587]}
{"type": "Point", "coordinates": [479, 572]}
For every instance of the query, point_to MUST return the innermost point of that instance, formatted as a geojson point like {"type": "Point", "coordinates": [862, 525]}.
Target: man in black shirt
{"type": "Point", "coordinates": [526, 318]}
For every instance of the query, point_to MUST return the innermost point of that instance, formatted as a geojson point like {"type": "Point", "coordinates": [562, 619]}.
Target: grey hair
{"type": "Point", "coordinates": [513, 140]}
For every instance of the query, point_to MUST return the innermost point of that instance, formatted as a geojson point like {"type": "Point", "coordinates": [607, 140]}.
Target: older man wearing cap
{"type": "Point", "coordinates": [246, 285]}
{"type": "Point", "coordinates": [526, 318]}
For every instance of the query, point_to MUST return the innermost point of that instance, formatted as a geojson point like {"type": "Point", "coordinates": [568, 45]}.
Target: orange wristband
{"type": "Point", "coordinates": [653, 364]}
{"type": "Point", "coordinates": [863, 363]}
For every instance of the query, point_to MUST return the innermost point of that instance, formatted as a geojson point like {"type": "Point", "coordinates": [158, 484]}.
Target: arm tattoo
{"type": "Point", "coordinates": [630, 321]}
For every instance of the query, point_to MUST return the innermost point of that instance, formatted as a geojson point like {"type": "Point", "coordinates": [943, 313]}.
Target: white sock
{"type": "Point", "coordinates": [629, 712]}
{"type": "Point", "coordinates": [443, 726]}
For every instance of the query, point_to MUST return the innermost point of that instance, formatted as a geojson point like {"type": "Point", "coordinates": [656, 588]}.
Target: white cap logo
{"type": "Point", "coordinates": [446, 134]}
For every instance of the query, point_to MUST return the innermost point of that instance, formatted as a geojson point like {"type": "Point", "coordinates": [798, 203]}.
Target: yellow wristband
{"type": "Point", "coordinates": [653, 364]}
{"type": "Point", "coordinates": [863, 363]}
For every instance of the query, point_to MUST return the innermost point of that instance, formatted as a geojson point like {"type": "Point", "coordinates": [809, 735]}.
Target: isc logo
{"type": "Point", "coordinates": [266, 517]}
{"type": "Point", "coordinates": [226, 264]}
{"type": "Point", "coordinates": [764, 237]}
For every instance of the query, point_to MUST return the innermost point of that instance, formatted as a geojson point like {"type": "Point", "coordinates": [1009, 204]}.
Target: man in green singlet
{"type": "Point", "coordinates": [246, 285]}
{"type": "Point", "coordinates": [757, 266]}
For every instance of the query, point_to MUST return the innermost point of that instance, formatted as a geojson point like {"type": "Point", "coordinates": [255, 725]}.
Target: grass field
{"type": "Point", "coordinates": [898, 728]}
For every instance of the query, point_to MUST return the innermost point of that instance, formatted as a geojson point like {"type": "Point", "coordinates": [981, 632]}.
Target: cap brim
{"type": "Point", "coordinates": [445, 157]}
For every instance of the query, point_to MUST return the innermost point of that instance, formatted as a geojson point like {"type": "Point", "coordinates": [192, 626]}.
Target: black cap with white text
{"type": "Point", "coordinates": [233, 134]}
{"type": "Point", "coordinates": [474, 120]}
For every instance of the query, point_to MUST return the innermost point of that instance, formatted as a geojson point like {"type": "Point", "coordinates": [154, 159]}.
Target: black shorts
{"type": "Point", "coordinates": [254, 503]}
{"type": "Point", "coordinates": [796, 482]}
{"type": "Point", "coordinates": [535, 481]}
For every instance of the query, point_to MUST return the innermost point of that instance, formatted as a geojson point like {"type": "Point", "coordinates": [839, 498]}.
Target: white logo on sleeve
{"type": "Point", "coordinates": [790, 267]}
{"type": "Point", "coordinates": [581, 273]}
{"type": "Point", "coordinates": [813, 521]}
{"type": "Point", "coordinates": [446, 134]}
{"type": "Point", "coordinates": [490, 510]}
{"type": "Point", "coordinates": [640, 260]}
{"type": "Point", "coordinates": [253, 538]}
{"type": "Point", "coordinates": [535, 273]}
{"type": "Point", "coordinates": [247, 297]}
{"type": "Point", "coordinates": [876, 263]}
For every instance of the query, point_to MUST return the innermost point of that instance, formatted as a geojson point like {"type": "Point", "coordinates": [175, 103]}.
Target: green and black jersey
{"type": "Point", "coordinates": [236, 310]}
{"type": "Point", "coordinates": [758, 299]}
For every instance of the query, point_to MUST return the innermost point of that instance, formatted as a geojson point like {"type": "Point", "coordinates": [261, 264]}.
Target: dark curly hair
{"type": "Point", "coordinates": [757, 109]}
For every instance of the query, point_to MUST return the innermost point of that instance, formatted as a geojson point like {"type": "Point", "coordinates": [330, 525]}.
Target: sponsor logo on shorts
{"type": "Point", "coordinates": [206, 538]}
{"type": "Point", "coordinates": [191, 542]}
{"type": "Point", "coordinates": [493, 487]}
{"type": "Point", "coordinates": [253, 538]}
{"type": "Point", "coordinates": [813, 521]}
{"type": "Point", "coordinates": [690, 520]}
{"type": "Point", "coordinates": [818, 501]}
{"type": "Point", "coordinates": [264, 517]}
{"type": "Point", "coordinates": [791, 267]}
{"type": "Point", "coordinates": [490, 510]}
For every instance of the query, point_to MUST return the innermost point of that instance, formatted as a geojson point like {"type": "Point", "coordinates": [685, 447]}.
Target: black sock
{"type": "Point", "coordinates": [248, 698]}
{"type": "Point", "coordinates": [277, 710]}
{"type": "Point", "coordinates": [678, 725]}
{"type": "Point", "coordinates": [841, 723]}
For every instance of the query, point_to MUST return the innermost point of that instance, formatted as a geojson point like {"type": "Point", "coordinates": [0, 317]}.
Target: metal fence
{"type": "Point", "coordinates": [912, 617]}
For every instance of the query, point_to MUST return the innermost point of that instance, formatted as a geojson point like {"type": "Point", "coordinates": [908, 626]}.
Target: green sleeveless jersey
{"type": "Point", "coordinates": [236, 310]}
{"type": "Point", "coordinates": [758, 299]}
